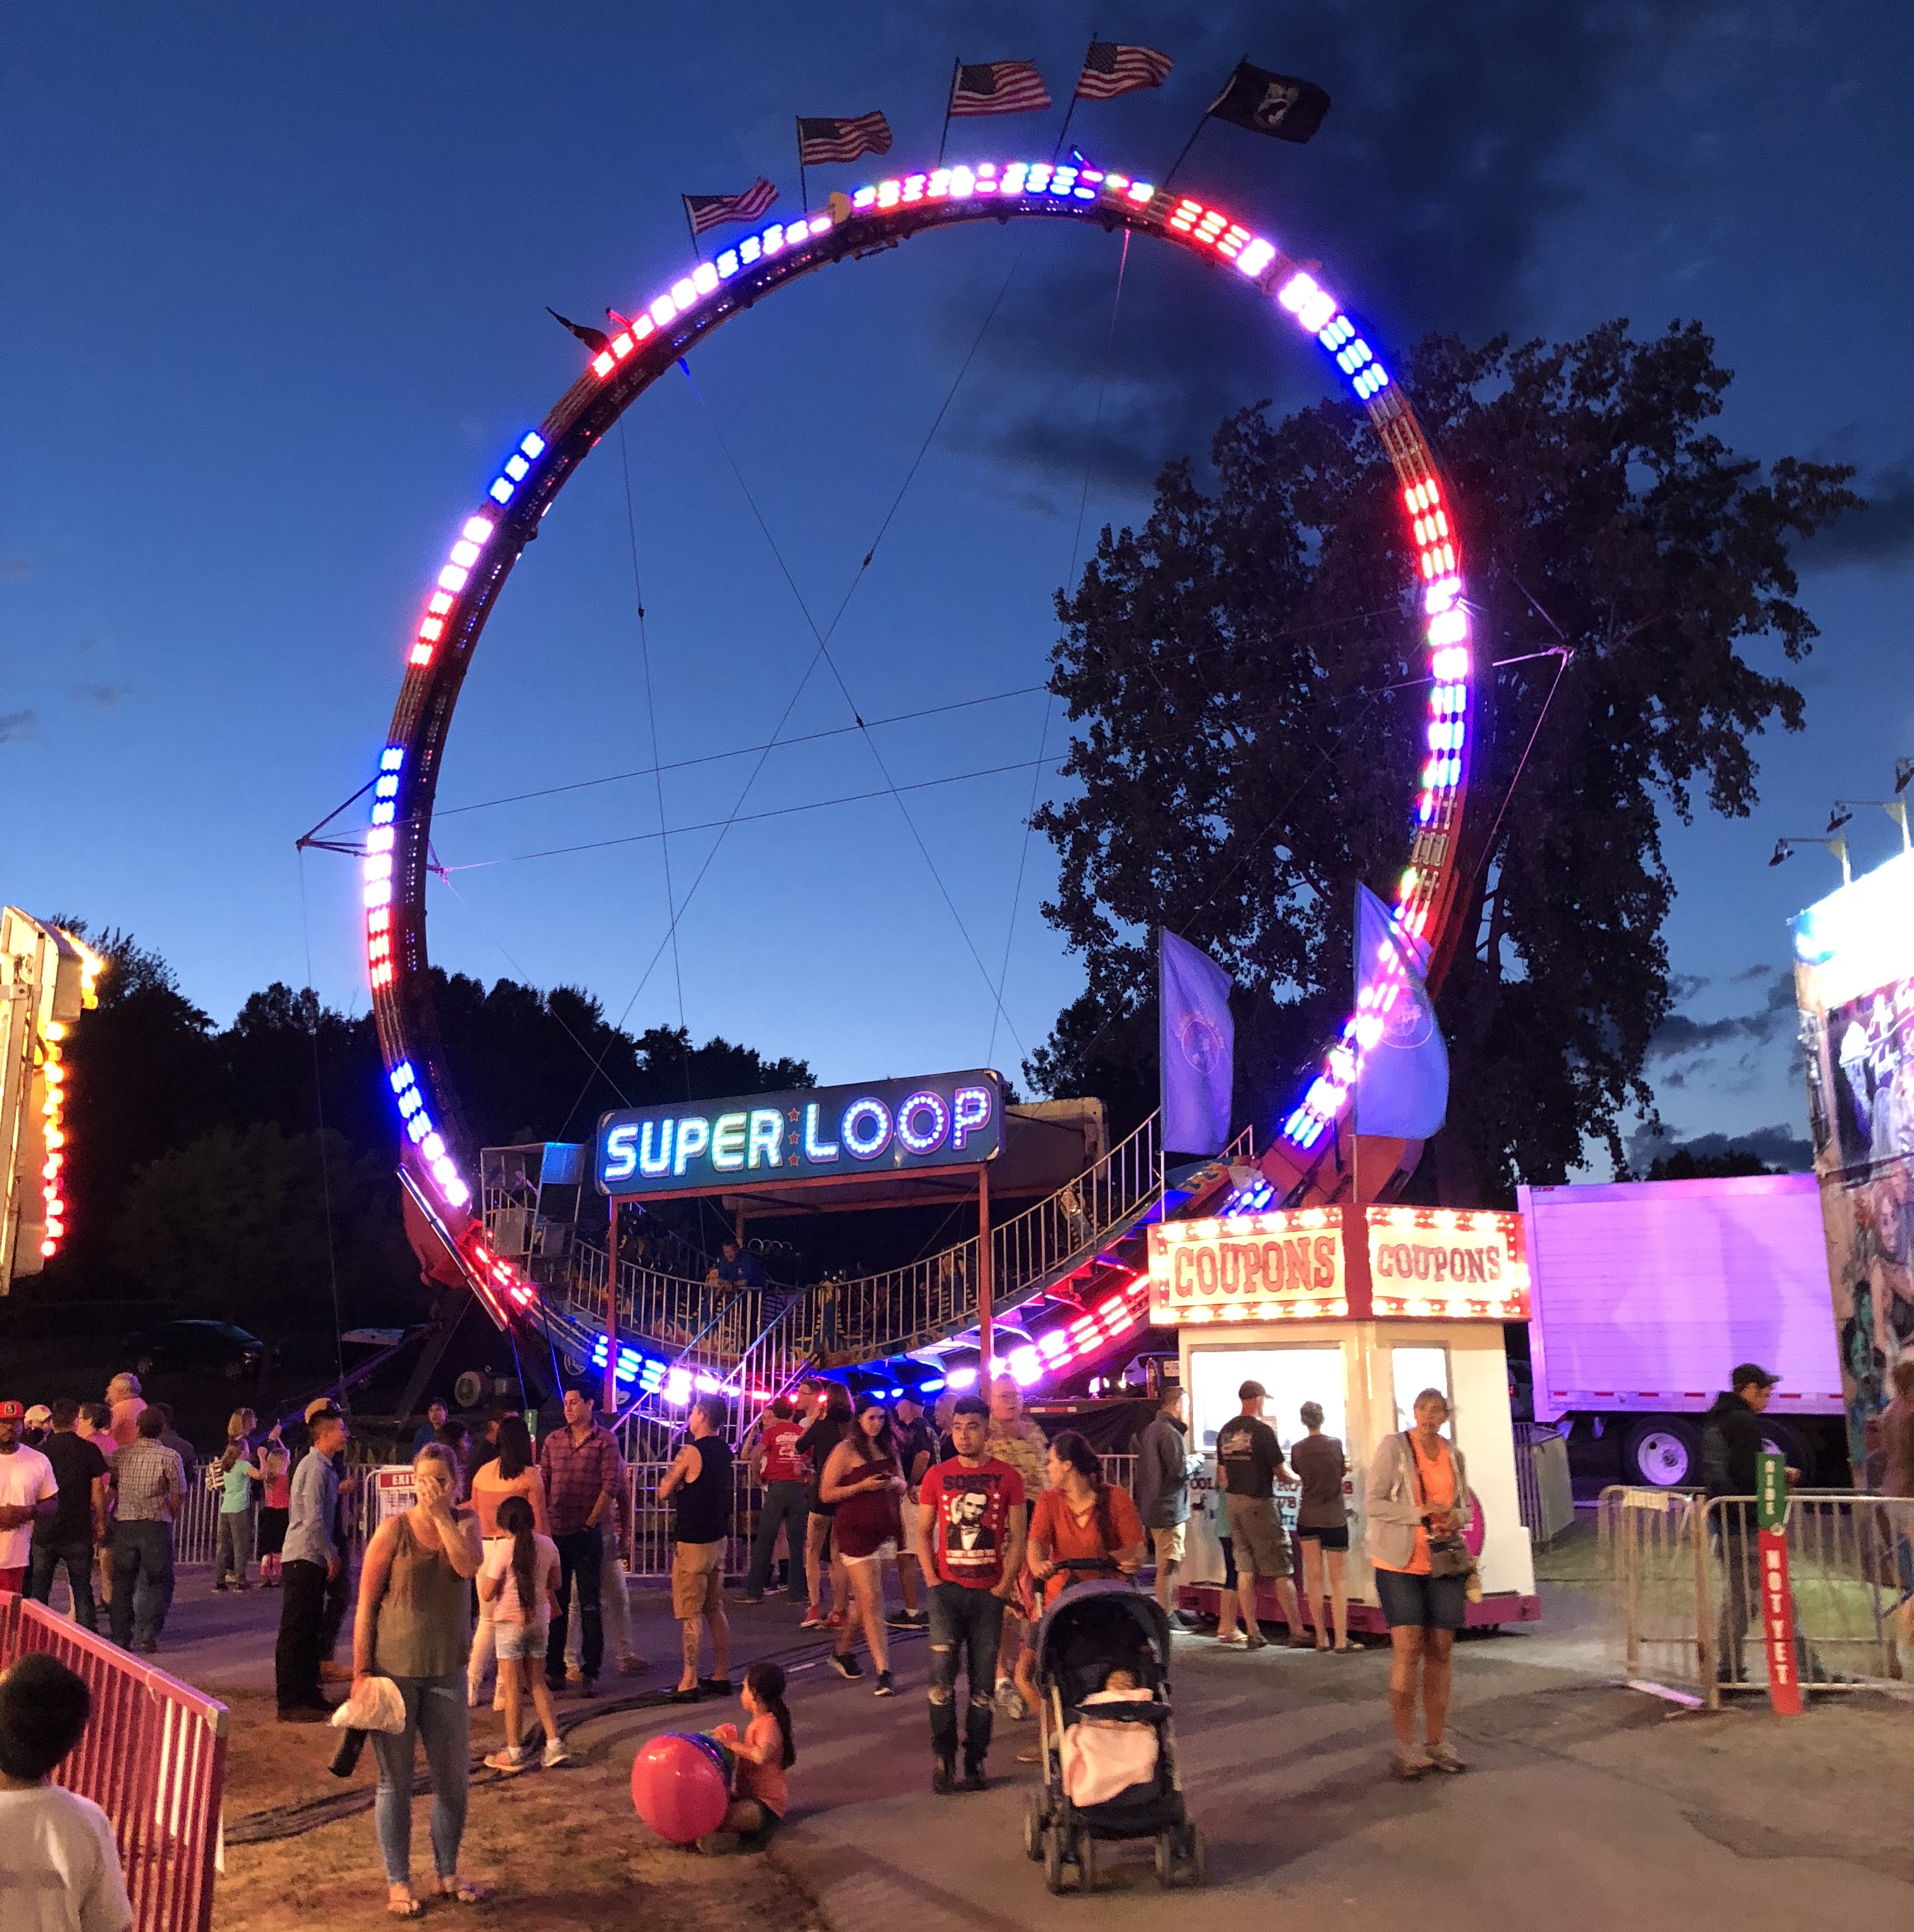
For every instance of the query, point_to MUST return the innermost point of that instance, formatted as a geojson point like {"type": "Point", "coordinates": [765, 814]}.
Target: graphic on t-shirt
{"type": "Point", "coordinates": [965, 1529]}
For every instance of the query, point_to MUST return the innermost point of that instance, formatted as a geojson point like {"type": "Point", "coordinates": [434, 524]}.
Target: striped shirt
{"type": "Point", "coordinates": [148, 1481]}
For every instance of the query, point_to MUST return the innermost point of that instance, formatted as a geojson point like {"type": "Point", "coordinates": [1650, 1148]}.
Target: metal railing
{"type": "Point", "coordinates": [153, 1759]}
{"type": "Point", "coordinates": [1682, 1585]}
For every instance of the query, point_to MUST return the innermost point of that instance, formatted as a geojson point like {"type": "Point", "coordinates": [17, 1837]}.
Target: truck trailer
{"type": "Point", "coordinates": [1644, 1295]}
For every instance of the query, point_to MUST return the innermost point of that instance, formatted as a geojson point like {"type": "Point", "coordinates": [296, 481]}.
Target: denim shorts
{"type": "Point", "coordinates": [521, 1643]}
{"type": "Point", "coordinates": [1413, 1602]}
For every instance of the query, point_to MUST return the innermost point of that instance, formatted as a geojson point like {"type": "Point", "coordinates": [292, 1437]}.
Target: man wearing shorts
{"type": "Point", "coordinates": [1249, 1458]}
{"type": "Point", "coordinates": [971, 1529]}
{"type": "Point", "coordinates": [1418, 1488]}
{"type": "Point", "coordinates": [1163, 1495]}
{"type": "Point", "coordinates": [700, 1479]}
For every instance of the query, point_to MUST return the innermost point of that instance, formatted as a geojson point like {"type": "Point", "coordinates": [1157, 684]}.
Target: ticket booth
{"type": "Point", "coordinates": [1358, 1309]}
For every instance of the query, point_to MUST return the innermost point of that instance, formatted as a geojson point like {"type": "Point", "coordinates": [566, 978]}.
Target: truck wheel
{"type": "Point", "coordinates": [1664, 1452]}
{"type": "Point", "coordinates": [1787, 1442]}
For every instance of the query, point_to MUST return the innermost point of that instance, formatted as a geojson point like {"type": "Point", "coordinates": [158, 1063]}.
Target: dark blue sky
{"type": "Point", "coordinates": [272, 292]}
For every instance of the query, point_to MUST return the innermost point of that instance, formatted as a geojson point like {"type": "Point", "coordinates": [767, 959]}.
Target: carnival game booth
{"type": "Point", "coordinates": [1357, 1309]}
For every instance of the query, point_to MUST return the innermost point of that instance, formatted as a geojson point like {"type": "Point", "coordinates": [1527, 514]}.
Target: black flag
{"type": "Point", "coordinates": [1271, 103]}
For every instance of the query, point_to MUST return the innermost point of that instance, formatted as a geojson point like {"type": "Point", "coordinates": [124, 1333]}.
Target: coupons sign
{"type": "Point", "coordinates": [1777, 1623]}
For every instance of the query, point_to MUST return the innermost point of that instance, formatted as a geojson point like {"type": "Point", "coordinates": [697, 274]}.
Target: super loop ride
{"type": "Point", "coordinates": [436, 1160]}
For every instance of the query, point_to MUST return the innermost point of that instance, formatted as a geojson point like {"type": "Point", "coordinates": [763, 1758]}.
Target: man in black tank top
{"type": "Point", "coordinates": [698, 1486]}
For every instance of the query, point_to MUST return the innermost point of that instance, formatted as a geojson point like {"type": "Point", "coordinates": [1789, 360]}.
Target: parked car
{"type": "Point", "coordinates": [198, 1347]}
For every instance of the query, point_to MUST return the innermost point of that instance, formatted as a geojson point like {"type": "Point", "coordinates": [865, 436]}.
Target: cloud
{"type": "Point", "coordinates": [105, 696]}
{"type": "Point", "coordinates": [15, 725]}
{"type": "Point", "coordinates": [15, 566]}
{"type": "Point", "coordinates": [1447, 154]}
{"type": "Point", "coordinates": [1681, 1036]}
{"type": "Point", "coordinates": [1776, 1146]}
{"type": "Point", "coordinates": [1879, 537]}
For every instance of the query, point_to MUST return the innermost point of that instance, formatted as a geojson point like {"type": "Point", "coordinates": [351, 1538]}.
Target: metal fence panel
{"type": "Point", "coordinates": [153, 1759]}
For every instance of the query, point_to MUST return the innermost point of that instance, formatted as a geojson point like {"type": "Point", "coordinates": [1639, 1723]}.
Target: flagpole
{"type": "Point", "coordinates": [1186, 146]}
{"type": "Point", "coordinates": [690, 224]}
{"type": "Point", "coordinates": [950, 101]}
{"type": "Point", "coordinates": [803, 186]}
{"type": "Point", "coordinates": [1063, 133]}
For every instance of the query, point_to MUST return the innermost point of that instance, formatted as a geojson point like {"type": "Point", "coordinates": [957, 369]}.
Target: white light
{"type": "Point", "coordinates": [452, 578]}
{"type": "Point", "coordinates": [478, 530]}
{"type": "Point", "coordinates": [704, 278]}
{"type": "Point", "coordinates": [465, 555]}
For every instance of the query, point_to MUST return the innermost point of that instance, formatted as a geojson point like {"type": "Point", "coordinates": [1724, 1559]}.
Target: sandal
{"type": "Point", "coordinates": [400, 1903]}
{"type": "Point", "coordinates": [466, 1891]}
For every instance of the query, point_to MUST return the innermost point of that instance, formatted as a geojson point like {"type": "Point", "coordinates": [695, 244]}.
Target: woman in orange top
{"type": "Point", "coordinates": [1079, 1517]}
{"type": "Point", "coordinates": [1418, 1486]}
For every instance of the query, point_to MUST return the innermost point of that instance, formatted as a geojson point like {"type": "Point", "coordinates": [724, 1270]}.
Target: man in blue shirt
{"type": "Point", "coordinates": [428, 1432]}
{"type": "Point", "coordinates": [741, 1268]}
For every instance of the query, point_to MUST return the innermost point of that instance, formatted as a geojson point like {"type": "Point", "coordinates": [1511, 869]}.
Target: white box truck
{"type": "Point", "coordinates": [1646, 1294]}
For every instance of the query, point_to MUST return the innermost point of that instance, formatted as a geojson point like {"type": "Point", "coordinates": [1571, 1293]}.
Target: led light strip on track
{"type": "Point", "coordinates": [488, 542]}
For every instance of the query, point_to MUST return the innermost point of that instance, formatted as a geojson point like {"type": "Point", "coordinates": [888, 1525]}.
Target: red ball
{"type": "Point", "coordinates": [681, 1786]}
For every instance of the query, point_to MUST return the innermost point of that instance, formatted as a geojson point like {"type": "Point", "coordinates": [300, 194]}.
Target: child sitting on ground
{"type": "Point", "coordinates": [1104, 1757]}
{"type": "Point", "coordinates": [764, 1753]}
{"type": "Point", "coordinates": [59, 1869]}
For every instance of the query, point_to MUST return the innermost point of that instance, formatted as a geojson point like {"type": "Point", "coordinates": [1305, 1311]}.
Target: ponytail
{"type": "Point", "coordinates": [766, 1682]}
{"type": "Point", "coordinates": [515, 1520]}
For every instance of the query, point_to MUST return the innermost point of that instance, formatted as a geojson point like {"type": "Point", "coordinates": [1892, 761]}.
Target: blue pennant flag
{"type": "Point", "coordinates": [1197, 1048]}
{"type": "Point", "coordinates": [1402, 1071]}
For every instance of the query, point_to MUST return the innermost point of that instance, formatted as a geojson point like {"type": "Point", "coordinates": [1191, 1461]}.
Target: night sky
{"type": "Point", "coordinates": [272, 286]}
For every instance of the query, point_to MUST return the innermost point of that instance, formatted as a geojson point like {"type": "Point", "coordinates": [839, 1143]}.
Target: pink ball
{"type": "Point", "coordinates": [681, 1786]}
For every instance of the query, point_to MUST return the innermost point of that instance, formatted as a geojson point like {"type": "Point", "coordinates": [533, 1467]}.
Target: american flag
{"type": "Point", "coordinates": [713, 211]}
{"type": "Point", "coordinates": [1109, 69]}
{"type": "Point", "coordinates": [998, 87]}
{"type": "Point", "coordinates": [820, 141]}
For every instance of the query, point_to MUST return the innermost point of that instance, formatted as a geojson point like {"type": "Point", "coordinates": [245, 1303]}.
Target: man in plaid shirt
{"type": "Point", "coordinates": [148, 1485]}
{"type": "Point", "coordinates": [580, 1464]}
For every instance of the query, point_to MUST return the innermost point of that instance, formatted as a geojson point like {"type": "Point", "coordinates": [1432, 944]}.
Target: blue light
{"type": "Point", "coordinates": [532, 443]}
{"type": "Point", "coordinates": [501, 492]}
{"type": "Point", "coordinates": [392, 757]}
{"type": "Point", "coordinates": [516, 468]}
{"type": "Point", "coordinates": [402, 1076]}
{"type": "Point", "coordinates": [931, 1386]}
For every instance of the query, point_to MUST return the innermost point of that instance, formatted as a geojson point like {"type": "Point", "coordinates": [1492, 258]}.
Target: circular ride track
{"type": "Point", "coordinates": [438, 1166]}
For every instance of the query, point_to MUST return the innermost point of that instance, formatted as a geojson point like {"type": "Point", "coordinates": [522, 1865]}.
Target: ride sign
{"type": "Point", "coordinates": [818, 1133]}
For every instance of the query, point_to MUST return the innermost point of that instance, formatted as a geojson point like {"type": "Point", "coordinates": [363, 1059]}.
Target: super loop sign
{"type": "Point", "coordinates": [819, 1133]}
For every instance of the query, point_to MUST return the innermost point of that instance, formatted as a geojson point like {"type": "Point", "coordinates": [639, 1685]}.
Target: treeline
{"type": "Point", "coordinates": [231, 1172]}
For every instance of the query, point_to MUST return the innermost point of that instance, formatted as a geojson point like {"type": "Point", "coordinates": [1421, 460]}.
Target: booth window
{"type": "Point", "coordinates": [1293, 1376]}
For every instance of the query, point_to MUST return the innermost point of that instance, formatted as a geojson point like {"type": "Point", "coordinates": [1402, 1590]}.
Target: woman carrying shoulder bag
{"type": "Point", "coordinates": [1417, 1509]}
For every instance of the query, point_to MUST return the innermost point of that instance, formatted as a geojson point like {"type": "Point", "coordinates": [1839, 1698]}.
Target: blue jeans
{"type": "Point", "coordinates": [436, 1716]}
{"type": "Point", "coordinates": [142, 1580]}
{"type": "Point", "coordinates": [971, 1620]}
{"type": "Point", "coordinates": [78, 1558]}
{"type": "Point", "coordinates": [784, 1503]}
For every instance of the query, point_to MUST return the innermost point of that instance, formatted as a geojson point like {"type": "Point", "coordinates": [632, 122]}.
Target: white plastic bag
{"type": "Point", "coordinates": [378, 1707]}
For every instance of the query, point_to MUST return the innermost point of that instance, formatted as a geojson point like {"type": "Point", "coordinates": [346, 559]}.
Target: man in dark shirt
{"type": "Point", "coordinates": [69, 1536]}
{"type": "Point", "coordinates": [741, 1268]}
{"type": "Point", "coordinates": [1732, 1443]}
{"type": "Point", "coordinates": [1248, 1460]}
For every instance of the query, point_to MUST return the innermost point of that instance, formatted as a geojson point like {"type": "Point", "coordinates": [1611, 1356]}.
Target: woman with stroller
{"type": "Point", "coordinates": [1081, 1518]}
{"type": "Point", "coordinates": [863, 1482]}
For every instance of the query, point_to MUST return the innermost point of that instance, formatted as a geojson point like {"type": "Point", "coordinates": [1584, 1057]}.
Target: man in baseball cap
{"type": "Point", "coordinates": [27, 1492]}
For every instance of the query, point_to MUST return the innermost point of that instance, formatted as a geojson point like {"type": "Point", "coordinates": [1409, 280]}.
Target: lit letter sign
{"type": "Point", "coordinates": [949, 1120]}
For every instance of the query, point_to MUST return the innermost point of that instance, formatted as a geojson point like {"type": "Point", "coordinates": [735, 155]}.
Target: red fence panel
{"type": "Point", "coordinates": [153, 1759]}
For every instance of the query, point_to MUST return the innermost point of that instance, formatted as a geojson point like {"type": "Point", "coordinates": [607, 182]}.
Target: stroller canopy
{"type": "Point", "coordinates": [1094, 1628]}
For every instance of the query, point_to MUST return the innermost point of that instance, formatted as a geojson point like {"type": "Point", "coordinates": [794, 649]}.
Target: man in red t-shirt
{"type": "Point", "coordinates": [970, 1520]}
{"type": "Point", "coordinates": [775, 1459]}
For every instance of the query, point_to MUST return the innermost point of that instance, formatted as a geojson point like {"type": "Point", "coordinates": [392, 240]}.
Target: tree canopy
{"type": "Point", "coordinates": [1246, 677]}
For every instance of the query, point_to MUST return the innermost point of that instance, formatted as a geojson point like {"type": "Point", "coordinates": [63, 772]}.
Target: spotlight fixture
{"type": "Point", "coordinates": [1784, 849]}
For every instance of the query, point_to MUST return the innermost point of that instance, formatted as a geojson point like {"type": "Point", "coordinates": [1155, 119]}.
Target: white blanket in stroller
{"type": "Point", "coordinates": [1102, 1760]}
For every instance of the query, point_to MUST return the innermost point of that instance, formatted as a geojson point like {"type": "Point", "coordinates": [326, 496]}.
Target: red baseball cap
{"type": "Point", "coordinates": [12, 1411]}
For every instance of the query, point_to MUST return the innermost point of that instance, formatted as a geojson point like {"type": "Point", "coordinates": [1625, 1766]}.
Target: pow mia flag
{"type": "Point", "coordinates": [1271, 103]}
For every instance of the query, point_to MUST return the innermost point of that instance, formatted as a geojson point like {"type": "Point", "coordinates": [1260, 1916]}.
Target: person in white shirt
{"type": "Point", "coordinates": [28, 1494]}
{"type": "Point", "coordinates": [59, 1868]}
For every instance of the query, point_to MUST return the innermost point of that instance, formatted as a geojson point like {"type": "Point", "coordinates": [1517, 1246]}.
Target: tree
{"type": "Point", "coordinates": [1246, 675]}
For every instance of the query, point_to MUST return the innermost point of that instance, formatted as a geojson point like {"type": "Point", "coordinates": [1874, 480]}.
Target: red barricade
{"type": "Point", "coordinates": [153, 1759]}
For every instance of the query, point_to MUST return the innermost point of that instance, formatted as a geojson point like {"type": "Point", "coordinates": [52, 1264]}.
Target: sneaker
{"type": "Point", "coordinates": [1407, 1766]}
{"type": "Point", "coordinates": [555, 1754]}
{"type": "Point", "coordinates": [973, 1778]}
{"type": "Point", "coordinates": [900, 1620]}
{"type": "Point", "coordinates": [886, 1688]}
{"type": "Point", "coordinates": [1010, 1702]}
{"type": "Point", "coordinates": [574, 1674]}
{"type": "Point", "coordinates": [943, 1776]}
{"type": "Point", "coordinates": [222, 1585]}
{"type": "Point", "coordinates": [587, 1686]}
{"type": "Point", "coordinates": [1256, 1640]}
{"type": "Point", "coordinates": [814, 1619]}
{"type": "Point", "coordinates": [750, 1602]}
{"type": "Point", "coordinates": [716, 1844]}
{"type": "Point", "coordinates": [1444, 1759]}
{"type": "Point", "coordinates": [511, 1760]}
{"type": "Point", "coordinates": [845, 1663]}
{"type": "Point", "coordinates": [835, 1620]}
{"type": "Point", "coordinates": [633, 1667]}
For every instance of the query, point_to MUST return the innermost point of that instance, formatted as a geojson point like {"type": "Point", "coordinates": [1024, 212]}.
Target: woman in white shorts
{"type": "Point", "coordinates": [863, 1480]}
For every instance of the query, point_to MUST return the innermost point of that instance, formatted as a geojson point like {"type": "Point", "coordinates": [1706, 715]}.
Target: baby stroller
{"type": "Point", "coordinates": [1092, 1629]}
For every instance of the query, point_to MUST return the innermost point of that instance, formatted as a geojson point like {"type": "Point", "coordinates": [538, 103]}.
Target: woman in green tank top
{"type": "Point", "coordinates": [414, 1626]}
